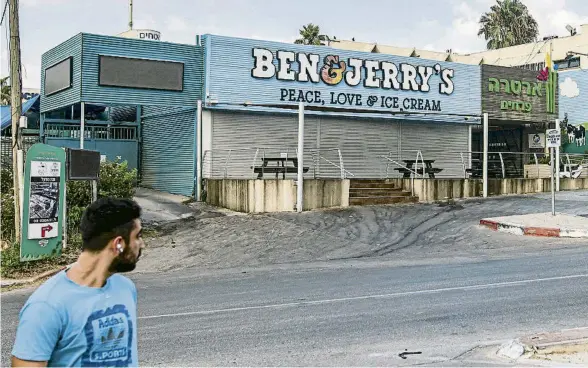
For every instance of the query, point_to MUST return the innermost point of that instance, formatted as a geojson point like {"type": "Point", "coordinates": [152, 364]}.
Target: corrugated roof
{"type": "Point", "coordinates": [5, 111]}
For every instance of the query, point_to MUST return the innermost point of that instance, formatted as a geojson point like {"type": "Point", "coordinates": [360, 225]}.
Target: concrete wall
{"type": "Point", "coordinates": [258, 196]}
{"type": "Point", "coordinates": [429, 190]}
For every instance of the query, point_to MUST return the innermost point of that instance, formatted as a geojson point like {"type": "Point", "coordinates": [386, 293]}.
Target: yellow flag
{"type": "Point", "coordinates": [548, 61]}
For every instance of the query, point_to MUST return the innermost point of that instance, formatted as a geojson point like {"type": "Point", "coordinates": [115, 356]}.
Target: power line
{"type": "Point", "coordinates": [4, 12]}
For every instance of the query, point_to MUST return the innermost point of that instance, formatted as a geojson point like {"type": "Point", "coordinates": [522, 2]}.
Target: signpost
{"type": "Point", "coordinates": [44, 203]}
{"type": "Point", "coordinates": [553, 138]}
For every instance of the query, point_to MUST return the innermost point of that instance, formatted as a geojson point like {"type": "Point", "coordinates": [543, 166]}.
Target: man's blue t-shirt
{"type": "Point", "coordinates": [68, 324]}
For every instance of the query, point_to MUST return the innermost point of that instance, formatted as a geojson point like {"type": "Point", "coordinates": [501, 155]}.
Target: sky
{"type": "Point", "coordinates": [429, 24]}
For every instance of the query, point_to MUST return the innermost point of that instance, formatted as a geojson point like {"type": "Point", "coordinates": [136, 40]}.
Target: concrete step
{"type": "Point", "coordinates": [370, 201]}
{"type": "Point", "coordinates": [377, 192]}
{"type": "Point", "coordinates": [371, 185]}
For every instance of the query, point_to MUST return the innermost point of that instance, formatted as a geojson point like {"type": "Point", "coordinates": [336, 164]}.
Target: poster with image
{"type": "Point", "coordinates": [44, 199]}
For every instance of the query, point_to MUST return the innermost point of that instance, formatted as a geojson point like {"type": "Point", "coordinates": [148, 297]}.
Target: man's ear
{"type": "Point", "coordinates": [117, 245]}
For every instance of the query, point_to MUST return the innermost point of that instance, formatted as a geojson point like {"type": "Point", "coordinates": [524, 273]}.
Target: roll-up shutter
{"type": "Point", "coordinates": [168, 150]}
{"type": "Point", "coordinates": [437, 141]}
{"type": "Point", "coordinates": [362, 143]}
{"type": "Point", "coordinates": [240, 140]}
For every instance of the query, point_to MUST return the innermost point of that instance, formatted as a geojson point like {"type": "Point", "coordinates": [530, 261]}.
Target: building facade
{"type": "Point", "coordinates": [367, 114]}
{"type": "Point", "coordinates": [363, 106]}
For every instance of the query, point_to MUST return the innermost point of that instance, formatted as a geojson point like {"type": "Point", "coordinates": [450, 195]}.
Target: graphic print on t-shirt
{"type": "Point", "coordinates": [109, 335]}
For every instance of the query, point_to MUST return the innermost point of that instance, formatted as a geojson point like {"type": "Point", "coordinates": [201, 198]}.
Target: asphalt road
{"type": "Point", "coordinates": [357, 312]}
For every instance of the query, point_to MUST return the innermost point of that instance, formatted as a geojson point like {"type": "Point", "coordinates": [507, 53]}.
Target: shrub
{"type": "Point", "coordinates": [116, 180]}
{"type": "Point", "coordinates": [6, 204]}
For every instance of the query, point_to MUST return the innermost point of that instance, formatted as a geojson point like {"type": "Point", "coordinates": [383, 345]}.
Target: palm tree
{"type": "Point", "coordinates": [5, 91]}
{"type": "Point", "coordinates": [310, 35]}
{"type": "Point", "coordinates": [508, 23]}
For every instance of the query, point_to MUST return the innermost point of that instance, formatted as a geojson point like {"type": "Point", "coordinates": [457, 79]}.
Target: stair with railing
{"type": "Point", "coordinates": [375, 192]}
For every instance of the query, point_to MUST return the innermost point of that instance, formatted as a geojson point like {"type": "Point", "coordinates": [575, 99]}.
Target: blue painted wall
{"type": "Point", "coordinates": [573, 101]}
{"type": "Point", "coordinates": [85, 48]}
{"type": "Point", "coordinates": [190, 55]}
{"type": "Point", "coordinates": [229, 81]}
{"type": "Point", "coordinates": [73, 48]}
{"type": "Point", "coordinates": [127, 150]}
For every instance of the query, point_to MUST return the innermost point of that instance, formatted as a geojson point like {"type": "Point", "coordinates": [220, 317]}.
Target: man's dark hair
{"type": "Point", "coordinates": [106, 219]}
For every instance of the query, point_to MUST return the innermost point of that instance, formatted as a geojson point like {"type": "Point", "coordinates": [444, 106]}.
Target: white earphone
{"type": "Point", "coordinates": [119, 247]}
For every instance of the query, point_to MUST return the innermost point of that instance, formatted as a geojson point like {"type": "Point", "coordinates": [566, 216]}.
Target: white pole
{"type": "Point", "coordinates": [20, 166]}
{"type": "Point", "coordinates": [199, 151]}
{"type": "Point", "coordinates": [552, 159]}
{"type": "Point", "coordinates": [557, 160]}
{"type": "Point", "coordinates": [485, 158]}
{"type": "Point", "coordinates": [82, 113]}
{"type": "Point", "coordinates": [64, 214]}
{"type": "Point", "coordinates": [300, 185]}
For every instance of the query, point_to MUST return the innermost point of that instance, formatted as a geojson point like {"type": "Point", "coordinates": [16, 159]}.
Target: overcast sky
{"type": "Point", "coordinates": [431, 24]}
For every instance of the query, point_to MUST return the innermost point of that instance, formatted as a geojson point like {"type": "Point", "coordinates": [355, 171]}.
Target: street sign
{"type": "Point", "coordinates": [44, 201]}
{"type": "Point", "coordinates": [553, 137]}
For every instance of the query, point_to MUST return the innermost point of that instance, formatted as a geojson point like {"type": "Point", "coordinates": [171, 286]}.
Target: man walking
{"type": "Point", "coordinates": [86, 315]}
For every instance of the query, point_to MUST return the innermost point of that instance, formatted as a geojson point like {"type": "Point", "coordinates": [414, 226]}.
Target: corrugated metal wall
{"type": "Point", "coordinates": [167, 159]}
{"type": "Point", "coordinates": [190, 55]}
{"type": "Point", "coordinates": [362, 142]}
{"type": "Point", "coordinates": [73, 48]}
{"type": "Point", "coordinates": [244, 133]}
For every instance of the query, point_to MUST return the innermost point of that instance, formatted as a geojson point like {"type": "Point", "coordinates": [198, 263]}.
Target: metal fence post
{"type": "Point", "coordinates": [485, 158]}
{"type": "Point", "coordinates": [300, 184]}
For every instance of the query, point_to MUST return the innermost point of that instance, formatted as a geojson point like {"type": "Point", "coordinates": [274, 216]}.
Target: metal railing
{"type": "Point", "coordinates": [501, 165]}
{"type": "Point", "coordinates": [91, 132]}
{"type": "Point", "coordinates": [246, 163]}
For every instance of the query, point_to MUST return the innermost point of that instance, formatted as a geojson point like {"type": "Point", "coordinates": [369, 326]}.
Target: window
{"type": "Point", "coordinates": [126, 72]}
{"type": "Point", "coordinates": [570, 63]}
{"type": "Point", "coordinates": [58, 77]}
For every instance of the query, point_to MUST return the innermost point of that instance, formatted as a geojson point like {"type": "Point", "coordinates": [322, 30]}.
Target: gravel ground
{"type": "Point", "coordinates": [215, 238]}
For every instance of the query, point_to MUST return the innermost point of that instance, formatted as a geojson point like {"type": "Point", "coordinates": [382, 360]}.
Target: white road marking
{"type": "Point", "coordinates": [365, 297]}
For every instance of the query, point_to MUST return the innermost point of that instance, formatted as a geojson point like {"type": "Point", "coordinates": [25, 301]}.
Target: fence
{"type": "Point", "coordinates": [6, 147]}
{"type": "Point", "coordinates": [271, 162]}
{"type": "Point", "coordinates": [91, 132]}
{"type": "Point", "coordinates": [501, 165]}
{"type": "Point", "coordinates": [250, 163]}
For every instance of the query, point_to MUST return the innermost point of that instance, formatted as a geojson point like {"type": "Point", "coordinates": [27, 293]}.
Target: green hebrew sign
{"type": "Point", "coordinates": [44, 203]}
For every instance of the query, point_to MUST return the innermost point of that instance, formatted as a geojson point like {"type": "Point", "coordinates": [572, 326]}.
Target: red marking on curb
{"type": "Point", "coordinates": [489, 224]}
{"type": "Point", "coordinates": [541, 231]}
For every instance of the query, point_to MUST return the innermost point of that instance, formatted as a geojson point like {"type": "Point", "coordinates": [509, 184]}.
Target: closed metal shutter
{"type": "Point", "coordinates": [361, 142]}
{"type": "Point", "coordinates": [240, 140]}
{"type": "Point", "coordinates": [437, 141]}
{"type": "Point", "coordinates": [167, 159]}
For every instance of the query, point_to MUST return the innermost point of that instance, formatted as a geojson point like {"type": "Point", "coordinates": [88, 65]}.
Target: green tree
{"type": "Point", "coordinates": [311, 35]}
{"type": "Point", "coordinates": [508, 23]}
{"type": "Point", "coordinates": [5, 91]}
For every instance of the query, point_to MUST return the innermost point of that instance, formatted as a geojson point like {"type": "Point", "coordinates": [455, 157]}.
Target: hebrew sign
{"type": "Point", "coordinates": [518, 94]}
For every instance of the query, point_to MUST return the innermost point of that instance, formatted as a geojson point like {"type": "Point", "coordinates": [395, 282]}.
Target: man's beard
{"type": "Point", "coordinates": [121, 264]}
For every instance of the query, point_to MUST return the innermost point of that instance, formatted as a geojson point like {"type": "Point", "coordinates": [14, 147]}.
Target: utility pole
{"type": "Point", "coordinates": [130, 14]}
{"type": "Point", "coordinates": [16, 108]}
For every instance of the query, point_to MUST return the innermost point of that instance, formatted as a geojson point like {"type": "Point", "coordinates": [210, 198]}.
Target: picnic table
{"type": "Point", "coordinates": [280, 166]}
{"type": "Point", "coordinates": [428, 169]}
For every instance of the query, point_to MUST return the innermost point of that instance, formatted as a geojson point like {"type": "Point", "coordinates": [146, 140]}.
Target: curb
{"type": "Point", "coordinates": [534, 231]}
{"type": "Point", "coordinates": [7, 283]}
{"type": "Point", "coordinates": [545, 343]}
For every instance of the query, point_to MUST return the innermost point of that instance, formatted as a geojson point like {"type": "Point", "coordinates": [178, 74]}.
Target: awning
{"type": "Point", "coordinates": [5, 111]}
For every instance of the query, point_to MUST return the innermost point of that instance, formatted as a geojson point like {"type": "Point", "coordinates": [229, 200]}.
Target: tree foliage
{"type": "Point", "coordinates": [310, 34]}
{"type": "Point", "coordinates": [508, 23]}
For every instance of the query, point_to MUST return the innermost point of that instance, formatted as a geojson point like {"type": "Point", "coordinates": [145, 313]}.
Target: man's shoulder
{"type": "Point", "coordinates": [48, 290]}
{"type": "Point", "coordinates": [122, 281]}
